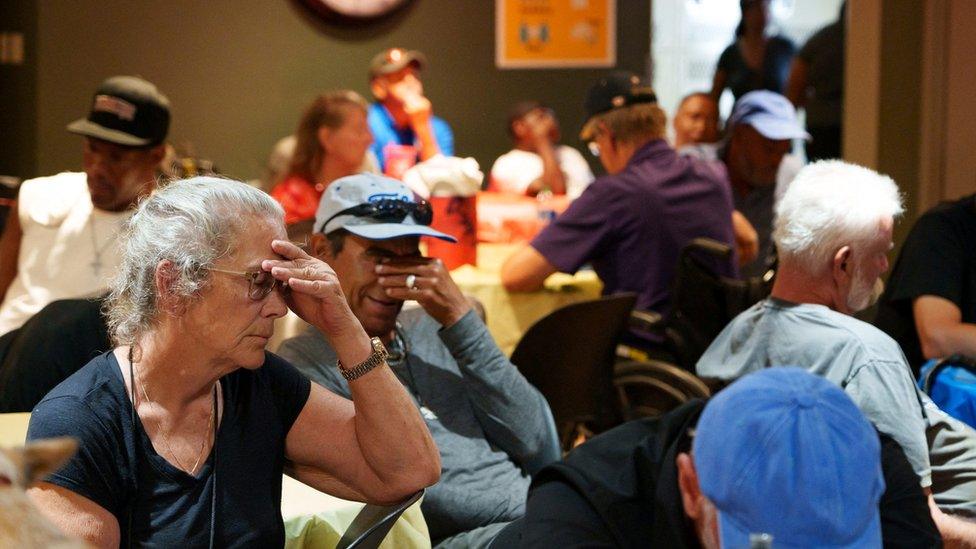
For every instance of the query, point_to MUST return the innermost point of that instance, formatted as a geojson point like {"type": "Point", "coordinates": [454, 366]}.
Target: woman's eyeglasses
{"type": "Point", "coordinates": [260, 283]}
{"type": "Point", "coordinates": [388, 209]}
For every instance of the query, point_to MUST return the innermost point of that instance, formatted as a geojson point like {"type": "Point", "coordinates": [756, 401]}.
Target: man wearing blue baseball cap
{"type": "Point", "coordinates": [490, 424]}
{"type": "Point", "coordinates": [756, 153]}
{"type": "Point", "coordinates": [779, 454]}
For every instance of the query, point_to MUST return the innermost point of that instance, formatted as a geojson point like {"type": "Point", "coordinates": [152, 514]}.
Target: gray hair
{"type": "Point", "coordinates": [831, 204]}
{"type": "Point", "coordinates": [190, 222]}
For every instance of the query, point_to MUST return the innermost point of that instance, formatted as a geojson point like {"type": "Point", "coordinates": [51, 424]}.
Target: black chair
{"type": "Point", "coordinates": [653, 388]}
{"type": "Point", "coordinates": [53, 344]}
{"type": "Point", "coordinates": [702, 303]}
{"type": "Point", "coordinates": [373, 523]}
{"type": "Point", "coordinates": [569, 355]}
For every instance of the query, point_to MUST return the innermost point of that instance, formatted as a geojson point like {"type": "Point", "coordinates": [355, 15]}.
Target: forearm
{"type": "Point", "coordinates": [510, 408]}
{"type": "Point", "coordinates": [9, 250]}
{"type": "Point", "coordinates": [950, 339]}
{"type": "Point", "coordinates": [428, 141]}
{"type": "Point", "coordinates": [552, 175]}
{"type": "Point", "coordinates": [955, 532]}
{"type": "Point", "coordinates": [384, 412]}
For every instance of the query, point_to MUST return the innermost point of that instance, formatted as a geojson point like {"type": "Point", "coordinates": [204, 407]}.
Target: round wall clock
{"type": "Point", "coordinates": [355, 9]}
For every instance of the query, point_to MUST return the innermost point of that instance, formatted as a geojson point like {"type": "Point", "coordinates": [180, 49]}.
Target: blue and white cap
{"type": "Point", "coordinates": [770, 113]}
{"type": "Point", "coordinates": [787, 453]}
{"type": "Point", "coordinates": [365, 188]}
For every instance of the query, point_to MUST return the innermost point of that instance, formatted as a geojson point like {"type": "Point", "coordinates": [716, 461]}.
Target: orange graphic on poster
{"type": "Point", "coordinates": [555, 33]}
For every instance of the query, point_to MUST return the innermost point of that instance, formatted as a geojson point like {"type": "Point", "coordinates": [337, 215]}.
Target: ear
{"type": "Point", "coordinates": [323, 135]}
{"type": "Point", "coordinates": [841, 266]}
{"type": "Point", "coordinates": [157, 153]}
{"type": "Point", "coordinates": [44, 457]}
{"type": "Point", "coordinates": [164, 280]}
{"type": "Point", "coordinates": [378, 87]}
{"type": "Point", "coordinates": [691, 496]}
{"type": "Point", "coordinates": [320, 247]}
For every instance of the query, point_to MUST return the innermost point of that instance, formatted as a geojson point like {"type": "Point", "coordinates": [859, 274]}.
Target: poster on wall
{"type": "Point", "coordinates": [532, 34]}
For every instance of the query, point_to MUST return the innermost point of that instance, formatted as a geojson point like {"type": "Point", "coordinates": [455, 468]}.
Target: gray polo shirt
{"type": "Point", "coordinates": [486, 419]}
{"type": "Point", "coordinates": [871, 369]}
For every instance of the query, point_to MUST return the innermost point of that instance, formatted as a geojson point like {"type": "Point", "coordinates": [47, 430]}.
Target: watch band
{"type": "Point", "coordinates": [377, 357]}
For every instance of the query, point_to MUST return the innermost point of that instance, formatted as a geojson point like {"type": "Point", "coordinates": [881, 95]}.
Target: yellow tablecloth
{"type": "Point", "coordinates": [509, 315]}
{"type": "Point", "coordinates": [312, 519]}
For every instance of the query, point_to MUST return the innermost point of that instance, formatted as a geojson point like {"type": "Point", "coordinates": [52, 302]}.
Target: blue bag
{"type": "Point", "coordinates": [951, 383]}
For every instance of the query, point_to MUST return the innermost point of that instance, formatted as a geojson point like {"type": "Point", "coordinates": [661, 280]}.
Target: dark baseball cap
{"type": "Point", "coordinates": [126, 110]}
{"type": "Point", "coordinates": [619, 89]}
{"type": "Point", "coordinates": [391, 60]}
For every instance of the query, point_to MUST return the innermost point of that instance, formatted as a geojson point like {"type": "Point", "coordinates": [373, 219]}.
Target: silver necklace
{"type": "Point", "coordinates": [400, 353]}
{"type": "Point", "coordinates": [96, 263]}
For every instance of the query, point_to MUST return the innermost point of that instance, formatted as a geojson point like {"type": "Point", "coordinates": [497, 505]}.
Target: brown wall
{"type": "Point", "coordinates": [239, 72]}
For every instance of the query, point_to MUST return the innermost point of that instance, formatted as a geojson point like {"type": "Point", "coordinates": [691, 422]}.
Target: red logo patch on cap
{"type": "Point", "coordinates": [119, 107]}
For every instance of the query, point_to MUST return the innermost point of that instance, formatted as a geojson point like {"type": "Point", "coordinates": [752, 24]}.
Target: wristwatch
{"type": "Point", "coordinates": [377, 357]}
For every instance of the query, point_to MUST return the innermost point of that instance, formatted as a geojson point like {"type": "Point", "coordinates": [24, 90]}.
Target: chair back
{"type": "Point", "coordinates": [703, 303]}
{"type": "Point", "coordinates": [569, 354]}
{"type": "Point", "coordinates": [653, 388]}
{"type": "Point", "coordinates": [373, 523]}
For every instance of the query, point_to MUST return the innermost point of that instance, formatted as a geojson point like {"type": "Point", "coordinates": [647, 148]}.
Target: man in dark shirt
{"type": "Point", "coordinates": [929, 306]}
{"type": "Point", "coordinates": [815, 481]}
{"type": "Point", "coordinates": [631, 224]}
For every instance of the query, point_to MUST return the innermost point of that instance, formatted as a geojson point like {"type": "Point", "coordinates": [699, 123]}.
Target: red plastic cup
{"type": "Point", "coordinates": [397, 159]}
{"type": "Point", "coordinates": [458, 217]}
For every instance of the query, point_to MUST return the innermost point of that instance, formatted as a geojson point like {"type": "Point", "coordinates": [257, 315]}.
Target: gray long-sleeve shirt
{"type": "Point", "coordinates": [489, 419]}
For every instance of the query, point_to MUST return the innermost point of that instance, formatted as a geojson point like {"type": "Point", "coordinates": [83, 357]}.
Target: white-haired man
{"type": "Point", "coordinates": [833, 232]}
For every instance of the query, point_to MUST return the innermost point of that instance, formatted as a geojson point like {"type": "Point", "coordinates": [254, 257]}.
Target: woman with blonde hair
{"type": "Point", "coordinates": [332, 141]}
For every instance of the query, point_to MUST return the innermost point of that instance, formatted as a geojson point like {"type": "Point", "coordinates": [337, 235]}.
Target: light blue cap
{"type": "Point", "coordinates": [770, 113]}
{"type": "Point", "coordinates": [787, 453]}
{"type": "Point", "coordinates": [354, 190]}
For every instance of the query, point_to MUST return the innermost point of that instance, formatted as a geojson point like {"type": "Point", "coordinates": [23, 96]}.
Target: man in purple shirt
{"type": "Point", "coordinates": [631, 224]}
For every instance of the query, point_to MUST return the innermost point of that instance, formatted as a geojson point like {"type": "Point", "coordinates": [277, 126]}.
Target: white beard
{"type": "Point", "coordinates": [864, 294]}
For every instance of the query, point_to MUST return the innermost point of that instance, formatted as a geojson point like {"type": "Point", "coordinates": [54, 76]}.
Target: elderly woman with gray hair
{"type": "Point", "coordinates": [186, 426]}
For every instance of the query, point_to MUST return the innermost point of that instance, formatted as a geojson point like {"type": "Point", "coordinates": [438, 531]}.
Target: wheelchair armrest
{"type": "Point", "coordinates": [647, 321]}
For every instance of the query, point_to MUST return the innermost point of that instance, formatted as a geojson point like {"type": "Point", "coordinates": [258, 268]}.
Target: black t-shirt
{"type": "Point", "coordinates": [170, 508]}
{"type": "Point", "coordinates": [742, 79]}
{"type": "Point", "coordinates": [938, 258]}
{"type": "Point", "coordinates": [620, 489]}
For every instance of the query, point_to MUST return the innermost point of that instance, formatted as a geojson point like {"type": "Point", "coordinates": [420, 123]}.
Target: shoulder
{"type": "Point", "coordinates": [782, 43]}
{"type": "Point", "coordinates": [379, 119]}
{"type": "Point", "coordinates": [511, 160]}
{"type": "Point", "coordinates": [570, 154]}
{"type": "Point", "coordinates": [601, 460]}
{"type": "Point", "coordinates": [874, 344]}
{"type": "Point", "coordinates": [729, 54]}
{"type": "Point", "coordinates": [90, 399]}
{"type": "Point", "coordinates": [953, 215]}
{"type": "Point", "coordinates": [307, 349]}
{"type": "Point", "coordinates": [440, 126]}
{"type": "Point", "coordinates": [47, 200]}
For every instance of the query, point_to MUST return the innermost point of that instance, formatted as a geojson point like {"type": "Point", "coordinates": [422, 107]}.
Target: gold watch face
{"type": "Point", "coordinates": [379, 348]}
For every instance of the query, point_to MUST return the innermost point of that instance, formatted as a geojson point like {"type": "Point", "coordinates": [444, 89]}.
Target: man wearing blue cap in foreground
{"type": "Point", "coordinates": [780, 452]}
{"type": "Point", "coordinates": [755, 151]}
{"type": "Point", "coordinates": [490, 424]}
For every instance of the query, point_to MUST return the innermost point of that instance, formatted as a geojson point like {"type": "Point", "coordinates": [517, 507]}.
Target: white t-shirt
{"type": "Point", "coordinates": [68, 249]}
{"type": "Point", "coordinates": [515, 170]}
